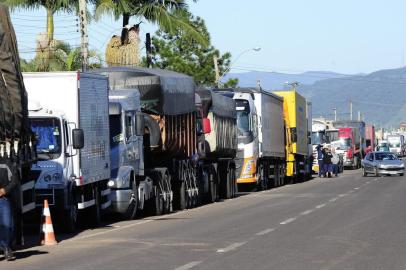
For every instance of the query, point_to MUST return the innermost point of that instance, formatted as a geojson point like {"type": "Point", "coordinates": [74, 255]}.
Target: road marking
{"type": "Point", "coordinates": [320, 206]}
{"type": "Point", "coordinates": [356, 188]}
{"type": "Point", "coordinates": [289, 220]}
{"type": "Point", "coordinates": [306, 212]}
{"type": "Point", "coordinates": [231, 247]}
{"type": "Point", "coordinates": [351, 191]}
{"type": "Point", "coordinates": [342, 195]}
{"type": "Point", "coordinates": [189, 265]}
{"type": "Point", "coordinates": [265, 231]}
{"type": "Point", "coordinates": [333, 199]}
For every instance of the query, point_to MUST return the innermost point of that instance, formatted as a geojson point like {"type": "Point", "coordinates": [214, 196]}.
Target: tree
{"type": "Point", "coordinates": [51, 7]}
{"type": "Point", "coordinates": [179, 52]}
{"type": "Point", "coordinates": [169, 15]}
{"type": "Point", "coordinates": [62, 57]}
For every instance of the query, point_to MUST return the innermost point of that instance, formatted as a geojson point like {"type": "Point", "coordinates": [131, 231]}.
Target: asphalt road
{"type": "Point", "coordinates": [349, 222]}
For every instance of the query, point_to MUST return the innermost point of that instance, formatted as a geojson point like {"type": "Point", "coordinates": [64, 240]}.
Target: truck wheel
{"type": "Point", "coordinates": [131, 212]}
{"type": "Point", "coordinates": [262, 182]}
{"type": "Point", "coordinates": [96, 216]}
{"type": "Point", "coordinates": [70, 218]}
{"type": "Point", "coordinates": [157, 202]}
{"type": "Point", "coordinates": [213, 187]}
{"type": "Point", "coordinates": [182, 194]}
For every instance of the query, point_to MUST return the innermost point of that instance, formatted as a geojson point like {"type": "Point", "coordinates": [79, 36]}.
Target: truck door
{"type": "Point", "coordinates": [131, 141]}
{"type": "Point", "coordinates": [68, 162]}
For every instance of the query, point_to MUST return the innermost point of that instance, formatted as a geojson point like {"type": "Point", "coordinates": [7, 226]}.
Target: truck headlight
{"type": "Point", "coordinates": [47, 178]}
{"type": "Point", "coordinates": [111, 183]}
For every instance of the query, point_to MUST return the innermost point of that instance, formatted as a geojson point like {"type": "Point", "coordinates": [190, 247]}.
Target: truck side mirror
{"type": "Point", "coordinates": [206, 126]}
{"type": "Point", "coordinates": [78, 138]}
{"type": "Point", "coordinates": [139, 124]}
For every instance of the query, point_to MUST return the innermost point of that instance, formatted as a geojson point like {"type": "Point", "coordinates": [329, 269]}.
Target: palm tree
{"type": "Point", "coordinates": [51, 7]}
{"type": "Point", "coordinates": [169, 15]}
{"type": "Point", "coordinates": [61, 57]}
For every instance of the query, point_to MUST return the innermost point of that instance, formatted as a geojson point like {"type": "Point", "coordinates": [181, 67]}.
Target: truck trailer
{"type": "Point", "coordinates": [217, 145]}
{"type": "Point", "coordinates": [397, 144]}
{"type": "Point", "coordinates": [261, 138]}
{"type": "Point", "coordinates": [17, 143]}
{"type": "Point", "coordinates": [69, 115]}
{"type": "Point", "coordinates": [170, 137]}
{"type": "Point", "coordinates": [297, 137]}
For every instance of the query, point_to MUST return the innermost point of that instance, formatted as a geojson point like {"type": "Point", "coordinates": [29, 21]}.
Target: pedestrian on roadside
{"type": "Point", "coordinates": [335, 160]}
{"type": "Point", "coordinates": [8, 185]}
{"type": "Point", "coordinates": [319, 149]}
{"type": "Point", "coordinates": [328, 166]}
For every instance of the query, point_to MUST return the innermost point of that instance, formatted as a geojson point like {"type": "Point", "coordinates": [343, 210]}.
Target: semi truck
{"type": "Point", "coordinates": [397, 144]}
{"type": "Point", "coordinates": [352, 141]}
{"type": "Point", "coordinates": [261, 138]}
{"type": "Point", "coordinates": [69, 115]}
{"type": "Point", "coordinates": [297, 136]}
{"type": "Point", "coordinates": [370, 140]}
{"type": "Point", "coordinates": [217, 147]}
{"type": "Point", "coordinates": [170, 140]}
{"type": "Point", "coordinates": [17, 143]}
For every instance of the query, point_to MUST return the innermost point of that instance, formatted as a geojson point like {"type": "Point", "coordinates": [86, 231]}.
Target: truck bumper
{"type": "Point", "coordinates": [56, 198]}
{"type": "Point", "coordinates": [250, 180]}
{"type": "Point", "coordinates": [120, 200]}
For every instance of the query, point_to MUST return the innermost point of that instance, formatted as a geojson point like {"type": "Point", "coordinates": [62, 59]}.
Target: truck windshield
{"type": "Point", "coordinates": [48, 133]}
{"type": "Point", "coordinates": [332, 135]}
{"type": "Point", "coordinates": [394, 142]}
{"type": "Point", "coordinates": [318, 138]}
{"type": "Point", "coordinates": [116, 135]}
{"type": "Point", "coordinates": [243, 116]}
{"type": "Point", "coordinates": [345, 143]}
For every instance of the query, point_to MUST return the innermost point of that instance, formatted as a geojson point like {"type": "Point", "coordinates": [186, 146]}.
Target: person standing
{"type": "Point", "coordinates": [328, 166]}
{"type": "Point", "coordinates": [8, 184]}
{"type": "Point", "coordinates": [335, 160]}
{"type": "Point", "coordinates": [319, 149]}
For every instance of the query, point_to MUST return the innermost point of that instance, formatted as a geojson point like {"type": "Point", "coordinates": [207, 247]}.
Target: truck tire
{"type": "Point", "coordinates": [70, 218]}
{"type": "Point", "coordinates": [262, 181]}
{"type": "Point", "coordinates": [96, 212]}
{"type": "Point", "coordinates": [153, 129]}
{"type": "Point", "coordinates": [213, 186]}
{"type": "Point", "coordinates": [157, 202]}
{"type": "Point", "coordinates": [376, 173]}
{"type": "Point", "coordinates": [364, 173]}
{"type": "Point", "coordinates": [181, 196]}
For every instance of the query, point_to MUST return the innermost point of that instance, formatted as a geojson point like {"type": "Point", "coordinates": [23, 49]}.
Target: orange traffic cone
{"type": "Point", "coordinates": [48, 235]}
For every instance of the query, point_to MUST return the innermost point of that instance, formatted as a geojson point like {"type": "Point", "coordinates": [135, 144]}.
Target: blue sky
{"type": "Point", "coordinates": [346, 36]}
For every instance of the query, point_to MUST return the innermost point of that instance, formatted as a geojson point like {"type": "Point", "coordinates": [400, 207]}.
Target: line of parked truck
{"type": "Point", "coordinates": [131, 139]}
{"type": "Point", "coordinates": [126, 140]}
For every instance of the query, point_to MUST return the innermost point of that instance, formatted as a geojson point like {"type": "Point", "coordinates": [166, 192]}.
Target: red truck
{"type": "Point", "coordinates": [350, 147]}
{"type": "Point", "coordinates": [370, 140]}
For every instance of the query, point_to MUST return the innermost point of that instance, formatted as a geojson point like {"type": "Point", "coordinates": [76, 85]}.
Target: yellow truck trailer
{"type": "Point", "coordinates": [297, 137]}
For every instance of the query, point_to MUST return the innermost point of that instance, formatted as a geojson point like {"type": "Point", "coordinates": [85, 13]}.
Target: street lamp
{"type": "Point", "coordinates": [255, 49]}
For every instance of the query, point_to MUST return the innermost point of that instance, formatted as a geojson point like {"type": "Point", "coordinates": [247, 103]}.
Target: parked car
{"type": "Point", "coordinates": [379, 163]}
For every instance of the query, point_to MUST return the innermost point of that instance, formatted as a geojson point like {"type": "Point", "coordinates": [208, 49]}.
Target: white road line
{"type": "Point", "coordinates": [320, 206]}
{"type": "Point", "coordinates": [356, 188]}
{"type": "Point", "coordinates": [231, 247]}
{"type": "Point", "coordinates": [342, 195]}
{"type": "Point", "coordinates": [333, 199]}
{"type": "Point", "coordinates": [351, 191]}
{"type": "Point", "coordinates": [289, 220]}
{"type": "Point", "coordinates": [306, 212]}
{"type": "Point", "coordinates": [189, 265]}
{"type": "Point", "coordinates": [265, 231]}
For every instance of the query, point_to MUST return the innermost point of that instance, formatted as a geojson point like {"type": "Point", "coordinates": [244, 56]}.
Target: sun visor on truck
{"type": "Point", "coordinates": [220, 105]}
{"type": "Point", "coordinates": [162, 91]}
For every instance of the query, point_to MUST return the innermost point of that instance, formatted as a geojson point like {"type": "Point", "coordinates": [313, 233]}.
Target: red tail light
{"type": "Point", "coordinates": [206, 126]}
{"type": "Point", "coordinates": [350, 153]}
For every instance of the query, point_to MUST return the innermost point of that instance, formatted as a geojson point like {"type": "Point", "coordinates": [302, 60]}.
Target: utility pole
{"type": "Point", "coordinates": [335, 114]}
{"type": "Point", "coordinates": [350, 109]}
{"type": "Point", "coordinates": [359, 115]}
{"type": "Point", "coordinates": [217, 71]}
{"type": "Point", "coordinates": [84, 38]}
